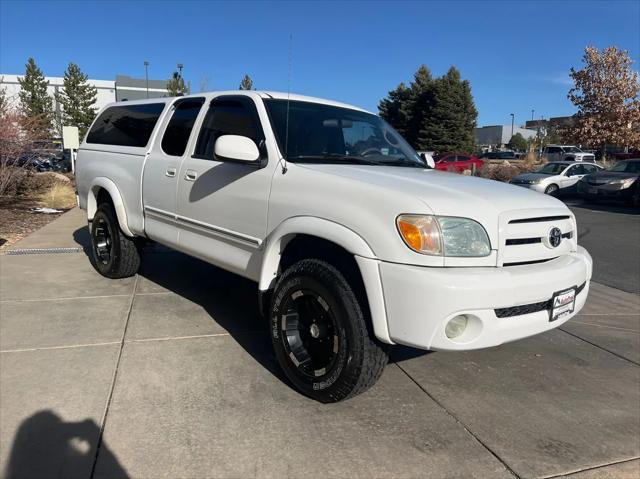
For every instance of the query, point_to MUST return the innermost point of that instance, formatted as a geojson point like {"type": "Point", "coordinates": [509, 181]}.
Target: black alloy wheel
{"type": "Point", "coordinates": [309, 333]}
{"type": "Point", "coordinates": [115, 255]}
{"type": "Point", "coordinates": [102, 241]}
{"type": "Point", "coordinates": [321, 333]}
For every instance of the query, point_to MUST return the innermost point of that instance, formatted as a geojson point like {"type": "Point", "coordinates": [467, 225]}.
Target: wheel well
{"type": "Point", "coordinates": [103, 196]}
{"type": "Point", "coordinates": [312, 247]}
{"type": "Point", "coordinates": [306, 247]}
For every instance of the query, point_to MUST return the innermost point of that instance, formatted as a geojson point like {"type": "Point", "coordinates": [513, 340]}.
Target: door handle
{"type": "Point", "coordinates": [171, 172]}
{"type": "Point", "coordinates": [191, 175]}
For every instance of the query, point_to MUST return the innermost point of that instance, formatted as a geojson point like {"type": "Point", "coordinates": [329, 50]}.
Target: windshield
{"type": "Point", "coordinates": [626, 166]}
{"type": "Point", "coordinates": [551, 169]}
{"type": "Point", "coordinates": [321, 133]}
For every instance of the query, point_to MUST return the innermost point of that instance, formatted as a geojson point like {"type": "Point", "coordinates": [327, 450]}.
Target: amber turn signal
{"type": "Point", "coordinates": [421, 233]}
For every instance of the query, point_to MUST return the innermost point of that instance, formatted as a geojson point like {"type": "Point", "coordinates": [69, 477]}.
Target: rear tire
{"type": "Point", "coordinates": [114, 254]}
{"type": "Point", "coordinates": [320, 333]}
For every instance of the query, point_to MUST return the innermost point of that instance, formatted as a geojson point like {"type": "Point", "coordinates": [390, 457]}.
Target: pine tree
{"type": "Point", "coordinates": [518, 143]}
{"type": "Point", "coordinates": [406, 108]}
{"type": "Point", "coordinates": [76, 100]}
{"type": "Point", "coordinates": [393, 108]}
{"type": "Point", "coordinates": [176, 86]}
{"type": "Point", "coordinates": [450, 124]}
{"type": "Point", "coordinates": [246, 83]}
{"type": "Point", "coordinates": [420, 104]}
{"type": "Point", "coordinates": [35, 102]}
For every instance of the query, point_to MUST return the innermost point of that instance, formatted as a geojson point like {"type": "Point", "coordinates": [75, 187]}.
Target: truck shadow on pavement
{"type": "Point", "coordinates": [229, 300]}
{"type": "Point", "coordinates": [47, 446]}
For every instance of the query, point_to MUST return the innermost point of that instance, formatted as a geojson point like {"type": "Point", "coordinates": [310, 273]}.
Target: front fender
{"type": "Point", "coordinates": [312, 226]}
{"type": "Point", "coordinates": [116, 198]}
{"type": "Point", "coordinates": [348, 239]}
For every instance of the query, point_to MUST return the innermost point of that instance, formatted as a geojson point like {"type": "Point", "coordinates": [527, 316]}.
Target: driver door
{"type": "Point", "coordinates": [222, 205]}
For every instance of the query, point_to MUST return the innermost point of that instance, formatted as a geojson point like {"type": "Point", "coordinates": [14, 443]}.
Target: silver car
{"type": "Point", "coordinates": [556, 177]}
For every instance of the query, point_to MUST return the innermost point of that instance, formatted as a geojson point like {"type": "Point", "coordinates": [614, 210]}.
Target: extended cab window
{"type": "Point", "coordinates": [176, 136]}
{"type": "Point", "coordinates": [126, 125]}
{"type": "Point", "coordinates": [228, 116]}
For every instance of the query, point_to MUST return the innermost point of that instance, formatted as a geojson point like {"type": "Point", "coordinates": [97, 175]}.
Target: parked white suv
{"type": "Point", "coordinates": [566, 153]}
{"type": "Point", "coordinates": [354, 241]}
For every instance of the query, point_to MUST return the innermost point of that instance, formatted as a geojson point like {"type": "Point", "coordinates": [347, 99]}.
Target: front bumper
{"type": "Point", "coordinates": [540, 188]}
{"type": "Point", "coordinates": [421, 300]}
{"type": "Point", "coordinates": [606, 190]}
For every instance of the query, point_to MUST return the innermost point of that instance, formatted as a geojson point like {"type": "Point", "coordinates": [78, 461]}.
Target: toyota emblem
{"type": "Point", "coordinates": [555, 237]}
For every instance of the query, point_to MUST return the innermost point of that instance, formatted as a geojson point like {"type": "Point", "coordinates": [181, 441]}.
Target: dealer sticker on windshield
{"type": "Point", "coordinates": [563, 303]}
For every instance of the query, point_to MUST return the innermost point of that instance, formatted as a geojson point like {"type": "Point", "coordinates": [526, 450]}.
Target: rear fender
{"type": "Point", "coordinates": [116, 198]}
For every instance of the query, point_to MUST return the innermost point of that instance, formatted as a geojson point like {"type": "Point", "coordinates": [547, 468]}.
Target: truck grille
{"type": "Point", "coordinates": [530, 308]}
{"type": "Point", "coordinates": [524, 239]}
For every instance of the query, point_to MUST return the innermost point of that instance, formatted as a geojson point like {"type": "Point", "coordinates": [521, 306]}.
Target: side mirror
{"type": "Point", "coordinates": [236, 148]}
{"type": "Point", "coordinates": [428, 159]}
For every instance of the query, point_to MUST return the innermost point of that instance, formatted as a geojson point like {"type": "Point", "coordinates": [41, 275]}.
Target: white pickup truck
{"type": "Point", "coordinates": [355, 242]}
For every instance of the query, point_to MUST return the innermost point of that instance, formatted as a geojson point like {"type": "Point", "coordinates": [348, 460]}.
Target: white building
{"type": "Point", "coordinates": [500, 134]}
{"type": "Point", "coordinates": [123, 88]}
{"type": "Point", "coordinates": [106, 89]}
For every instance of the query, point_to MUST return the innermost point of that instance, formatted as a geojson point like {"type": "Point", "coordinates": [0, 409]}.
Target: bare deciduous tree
{"type": "Point", "coordinates": [606, 94]}
{"type": "Point", "coordinates": [18, 135]}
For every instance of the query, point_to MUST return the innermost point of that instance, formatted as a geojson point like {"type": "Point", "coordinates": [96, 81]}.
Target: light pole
{"type": "Point", "coordinates": [180, 66]}
{"type": "Point", "coordinates": [146, 75]}
{"type": "Point", "coordinates": [512, 121]}
{"type": "Point", "coordinates": [532, 112]}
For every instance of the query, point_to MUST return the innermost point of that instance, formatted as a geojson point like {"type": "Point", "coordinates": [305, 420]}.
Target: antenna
{"type": "Point", "coordinates": [286, 128]}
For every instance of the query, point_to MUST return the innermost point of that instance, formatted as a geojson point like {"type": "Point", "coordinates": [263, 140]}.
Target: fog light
{"type": "Point", "coordinates": [456, 326]}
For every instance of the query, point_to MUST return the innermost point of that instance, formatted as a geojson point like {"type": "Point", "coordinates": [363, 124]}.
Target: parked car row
{"type": "Point", "coordinates": [37, 161]}
{"type": "Point", "coordinates": [589, 180]}
{"type": "Point", "coordinates": [621, 181]}
{"type": "Point", "coordinates": [501, 155]}
{"type": "Point", "coordinates": [567, 153]}
{"type": "Point", "coordinates": [457, 162]}
{"type": "Point", "coordinates": [556, 177]}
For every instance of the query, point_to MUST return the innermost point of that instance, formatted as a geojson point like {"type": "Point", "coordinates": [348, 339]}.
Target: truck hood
{"type": "Point", "coordinates": [445, 193]}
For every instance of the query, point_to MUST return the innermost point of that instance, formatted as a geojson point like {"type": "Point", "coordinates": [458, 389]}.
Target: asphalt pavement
{"type": "Point", "coordinates": [611, 233]}
{"type": "Point", "coordinates": [170, 374]}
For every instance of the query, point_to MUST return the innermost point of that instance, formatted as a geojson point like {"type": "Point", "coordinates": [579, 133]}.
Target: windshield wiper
{"type": "Point", "coordinates": [403, 162]}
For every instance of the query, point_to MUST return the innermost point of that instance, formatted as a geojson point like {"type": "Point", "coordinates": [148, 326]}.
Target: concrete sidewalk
{"type": "Point", "coordinates": [171, 374]}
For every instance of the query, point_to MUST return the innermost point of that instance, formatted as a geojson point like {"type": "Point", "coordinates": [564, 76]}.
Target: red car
{"type": "Point", "coordinates": [457, 162]}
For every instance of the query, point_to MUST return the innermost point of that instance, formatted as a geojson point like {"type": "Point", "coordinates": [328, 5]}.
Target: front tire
{"type": "Point", "coordinates": [320, 335]}
{"type": "Point", "coordinates": [552, 190]}
{"type": "Point", "coordinates": [114, 254]}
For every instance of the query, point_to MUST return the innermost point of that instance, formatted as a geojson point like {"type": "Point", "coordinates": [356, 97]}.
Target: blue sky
{"type": "Point", "coordinates": [516, 54]}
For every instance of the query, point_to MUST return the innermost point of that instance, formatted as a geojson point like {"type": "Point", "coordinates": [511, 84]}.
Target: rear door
{"type": "Point", "coordinates": [160, 177]}
{"type": "Point", "coordinates": [222, 205]}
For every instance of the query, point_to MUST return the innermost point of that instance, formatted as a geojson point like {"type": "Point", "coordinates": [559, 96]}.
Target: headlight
{"type": "Point", "coordinates": [444, 235]}
{"type": "Point", "coordinates": [625, 183]}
